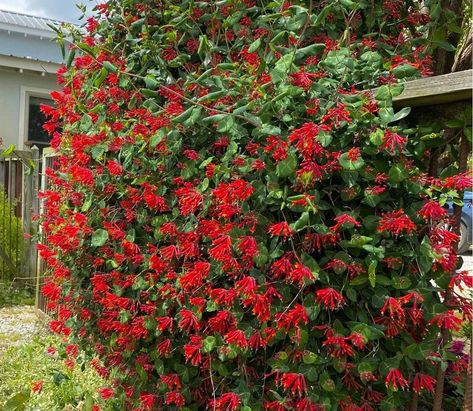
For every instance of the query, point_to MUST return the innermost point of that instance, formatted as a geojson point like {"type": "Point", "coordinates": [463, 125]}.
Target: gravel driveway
{"type": "Point", "coordinates": [18, 325]}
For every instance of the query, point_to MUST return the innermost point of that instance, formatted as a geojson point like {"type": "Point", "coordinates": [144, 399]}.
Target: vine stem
{"type": "Point", "coordinates": [214, 404]}
{"type": "Point", "coordinates": [184, 98]}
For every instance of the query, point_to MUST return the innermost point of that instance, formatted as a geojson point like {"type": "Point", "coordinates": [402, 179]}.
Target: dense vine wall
{"type": "Point", "coordinates": [238, 222]}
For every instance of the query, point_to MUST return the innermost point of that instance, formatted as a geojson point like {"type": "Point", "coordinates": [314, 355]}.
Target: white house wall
{"type": "Point", "coordinates": [15, 87]}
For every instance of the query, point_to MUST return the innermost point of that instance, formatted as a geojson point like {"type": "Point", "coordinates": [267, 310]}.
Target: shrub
{"type": "Point", "coordinates": [239, 222]}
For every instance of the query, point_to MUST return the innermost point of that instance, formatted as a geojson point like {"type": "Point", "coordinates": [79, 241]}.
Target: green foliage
{"type": "Point", "coordinates": [11, 239]}
{"type": "Point", "coordinates": [63, 389]}
{"type": "Point", "coordinates": [11, 295]}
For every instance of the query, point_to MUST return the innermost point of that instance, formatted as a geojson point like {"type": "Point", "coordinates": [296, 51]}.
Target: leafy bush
{"type": "Point", "coordinates": [11, 239]}
{"type": "Point", "coordinates": [16, 296]}
{"type": "Point", "coordinates": [35, 377]}
{"type": "Point", "coordinates": [239, 223]}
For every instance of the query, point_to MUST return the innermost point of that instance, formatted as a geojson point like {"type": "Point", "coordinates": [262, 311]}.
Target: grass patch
{"type": "Point", "coordinates": [10, 296]}
{"type": "Point", "coordinates": [63, 389]}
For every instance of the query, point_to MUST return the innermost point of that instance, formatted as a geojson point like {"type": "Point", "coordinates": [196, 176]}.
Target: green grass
{"type": "Point", "coordinates": [15, 296]}
{"type": "Point", "coordinates": [63, 389]}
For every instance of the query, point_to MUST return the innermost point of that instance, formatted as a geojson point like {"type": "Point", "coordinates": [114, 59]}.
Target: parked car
{"type": "Point", "coordinates": [466, 226]}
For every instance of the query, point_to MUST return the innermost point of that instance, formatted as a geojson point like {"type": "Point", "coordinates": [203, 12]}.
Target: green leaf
{"type": "Point", "coordinates": [445, 45]}
{"type": "Point", "coordinates": [98, 151]}
{"type": "Point", "coordinates": [110, 67]}
{"type": "Point", "coordinates": [383, 93]}
{"type": "Point", "coordinates": [17, 402]}
{"type": "Point", "coordinates": [89, 402]}
{"type": "Point", "coordinates": [149, 93]}
{"type": "Point", "coordinates": [398, 173]}
{"type": "Point", "coordinates": [282, 68]}
{"type": "Point", "coordinates": [287, 166]}
{"type": "Point", "coordinates": [372, 57]}
{"type": "Point", "coordinates": [302, 222]}
{"type": "Point", "coordinates": [99, 237]}
{"type": "Point", "coordinates": [225, 124]}
{"type": "Point", "coordinates": [203, 45]}
{"type": "Point", "coordinates": [455, 123]}
{"type": "Point", "coordinates": [209, 344]}
{"type": "Point", "coordinates": [141, 372]}
{"type": "Point", "coordinates": [324, 139]}
{"type": "Point", "coordinates": [400, 114]}
{"type": "Point", "coordinates": [184, 115]}
{"type": "Point", "coordinates": [310, 262]}
{"type": "Point", "coordinates": [103, 73]}
{"type": "Point", "coordinates": [468, 133]}
{"type": "Point", "coordinates": [404, 70]}
{"type": "Point", "coordinates": [323, 15]}
{"type": "Point", "coordinates": [309, 357]}
{"type": "Point", "coordinates": [268, 129]}
{"type": "Point", "coordinates": [206, 162]}
{"type": "Point", "coordinates": [151, 82]}
{"type": "Point", "coordinates": [348, 164]}
{"type": "Point", "coordinates": [255, 45]}
{"type": "Point", "coordinates": [263, 255]}
{"type": "Point", "coordinates": [386, 114]}
{"type": "Point", "coordinates": [85, 123]}
{"type": "Point", "coordinates": [376, 137]}
{"type": "Point", "coordinates": [372, 273]}
{"type": "Point", "coordinates": [401, 283]}
{"type": "Point", "coordinates": [426, 257]}
{"type": "Point", "coordinates": [9, 150]}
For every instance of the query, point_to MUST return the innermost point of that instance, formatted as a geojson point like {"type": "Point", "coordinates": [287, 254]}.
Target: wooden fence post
{"type": "Point", "coordinates": [27, 219]}
{"type": "Point", "coordinates": [33, 211]}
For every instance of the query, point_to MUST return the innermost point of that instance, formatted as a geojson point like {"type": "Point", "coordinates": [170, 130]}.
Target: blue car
{"type": "Point", "coordinates": [466, 226]}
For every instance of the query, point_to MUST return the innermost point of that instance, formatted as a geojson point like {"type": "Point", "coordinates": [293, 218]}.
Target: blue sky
{"type": "Point", "coordinates": [54, 9]}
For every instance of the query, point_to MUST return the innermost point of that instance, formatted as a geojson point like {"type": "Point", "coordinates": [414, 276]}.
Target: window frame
{"type": "Point", "coordinates": [25, 94]}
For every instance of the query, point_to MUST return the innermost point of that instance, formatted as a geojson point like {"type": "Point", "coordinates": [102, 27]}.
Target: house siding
{"type": "Point", "coordinates": [12, 85]}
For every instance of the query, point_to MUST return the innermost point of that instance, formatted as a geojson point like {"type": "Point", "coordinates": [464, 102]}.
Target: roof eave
{"type": "Point", "coordinates": [27, 31]}
{"type": "Point", "coordinates": [47, 67]}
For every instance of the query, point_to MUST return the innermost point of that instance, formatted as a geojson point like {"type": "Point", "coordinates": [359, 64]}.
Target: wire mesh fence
{"type": "Point", "coordinates": [19, 178]}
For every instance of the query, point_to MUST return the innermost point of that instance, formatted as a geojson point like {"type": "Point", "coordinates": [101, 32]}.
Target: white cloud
{"type": "Point", "coordinates": [55, 9]}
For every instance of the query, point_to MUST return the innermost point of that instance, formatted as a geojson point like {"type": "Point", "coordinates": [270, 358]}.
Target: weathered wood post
{"type": "Point", "coordinates": [33, 210]}
{"type": "Point", "coordinates": [26, 214]}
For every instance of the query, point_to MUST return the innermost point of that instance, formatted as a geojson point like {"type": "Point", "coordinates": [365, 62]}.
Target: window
{"type": "Point", "coordinates": [36, 134]}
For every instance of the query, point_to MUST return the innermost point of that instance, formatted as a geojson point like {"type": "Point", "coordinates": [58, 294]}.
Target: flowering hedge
{"type": "Point", "coordinates": [237, 222]}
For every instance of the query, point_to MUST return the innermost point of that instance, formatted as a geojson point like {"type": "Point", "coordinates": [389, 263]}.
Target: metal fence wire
{"type": "Point", "coordinates": [19, 183]}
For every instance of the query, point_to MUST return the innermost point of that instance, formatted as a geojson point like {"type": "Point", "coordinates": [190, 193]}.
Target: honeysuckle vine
{"type": "Point", "coordinates": [240, 220]}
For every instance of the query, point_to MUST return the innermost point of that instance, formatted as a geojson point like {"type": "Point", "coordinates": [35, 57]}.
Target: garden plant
{"type": "Point", "coordinates": [241, 220]}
